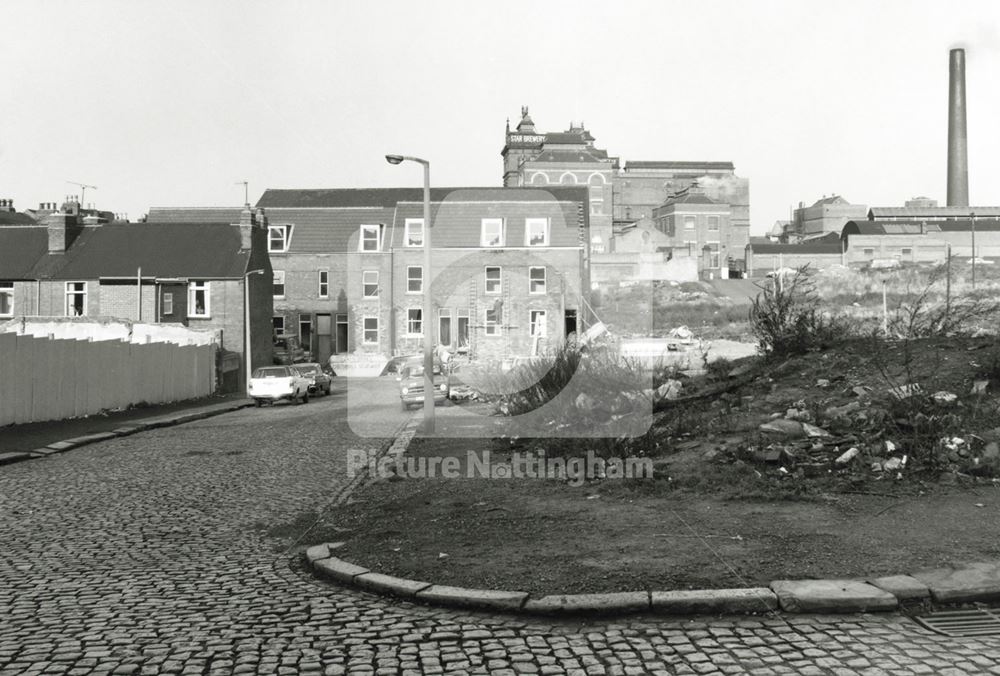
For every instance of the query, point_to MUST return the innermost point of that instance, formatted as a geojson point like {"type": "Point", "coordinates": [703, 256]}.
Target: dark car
{"type": "Point", "coordinates": [287, 350]}
{"type": "Point", "coordinates": [320, 380]}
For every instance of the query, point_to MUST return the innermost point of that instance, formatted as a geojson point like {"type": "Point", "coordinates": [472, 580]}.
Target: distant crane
{"type": "Point", "coordinates": [83, 190]}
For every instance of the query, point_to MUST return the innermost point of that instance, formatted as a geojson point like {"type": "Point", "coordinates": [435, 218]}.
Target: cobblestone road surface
{"type": "Point", "coordinates": [146, 555]}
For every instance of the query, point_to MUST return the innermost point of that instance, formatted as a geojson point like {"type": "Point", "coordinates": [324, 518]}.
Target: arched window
{"type": "Point", "coordinates": [538, 178]}
{"type": "Point", "coordinates": [568, 178]}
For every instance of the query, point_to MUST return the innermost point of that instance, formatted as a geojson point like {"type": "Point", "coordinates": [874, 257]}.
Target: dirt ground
{"type": "Point", "coordinates": [544, 537]}
{"type": "Point", "coordinates": [728, 505]}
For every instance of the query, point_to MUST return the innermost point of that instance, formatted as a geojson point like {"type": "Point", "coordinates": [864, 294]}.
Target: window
{"type": "Point", "coordinates": [6, 299]}
{"type": "Point", "coordinates": [713, 223]}
{"type": "Point", "coordinates": [279, 284]}
{"type": "Point", "coordinates": [596, 244]}
{"type": "Point", "coordinates": [168, 303]}
{"type": "Point", "coordinates": [869, 253]}
{"type": "Point", "coordinates": [689, 222]}
{"type": "Point", "coordinates": [369, 283]}
{"type": "Point", "coordinates": [493, 280]}
{"type": "Point", "coordinates": [444, 326]}
{"type": "Point", "coordinates": [536, 232]}
{"type": "Point", "coordinates": [76, 299]}
{"type": "Point", "coordinates": [414, 279]}
{"type": "Point", "coordinates": [324, 283]}
{"type": "Point", "coordinates": [536, 323]}
{"type": "Point", "coordinates": [278, 324]}
{"type": "Point", "coordinates": [278, 238]}
{"type": "Point", "coordinates": [536, 280]}
{"type": "Point", "coordinates": [414, 321]}
{"type": "Point", "coordinates": [370, 334]}
{"type": "Point", "coordinates": [492, 232]}
{"type": "Point", "coordinates": [714, 248]}
{"type": "Point", "coordinates": [199, 302]}
{"type": "Point", "coordinates": [371, 238]}
{"type": "Point", "coordinates": [906, 252]}
{"type": "Point", "coordinates": [492, 322]}
{"type": "Point", "coordinates": [414, 232]}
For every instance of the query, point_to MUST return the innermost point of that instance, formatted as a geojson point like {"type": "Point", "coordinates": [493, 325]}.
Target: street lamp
{"type": "Point", "coordinates": [246, 325]}
{"type": "Point", "coordinates": [972, 216]}
{"type": "Point", "coordinates": [428, 324]}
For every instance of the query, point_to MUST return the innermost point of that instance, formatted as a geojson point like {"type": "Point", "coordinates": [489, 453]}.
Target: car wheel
{"type": "Point", "coordinates": [257, 403]}
{"type": "Point", "coordinates": [405, 406]}
{"type": "Point", "coordinates": [305, 397]}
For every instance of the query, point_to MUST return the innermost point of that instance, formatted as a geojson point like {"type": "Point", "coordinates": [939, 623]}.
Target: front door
{"type": "Point", "coordinates": [324, 338]}
{"type": "Point", "coordinates": [342, 333]}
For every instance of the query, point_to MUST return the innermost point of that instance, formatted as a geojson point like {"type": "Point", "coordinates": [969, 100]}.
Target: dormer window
{"type": "Point", "coordinates": [414, 232]}
{"type": "Point", "coordinates": [278, 238]}
{"type": "Point", "coordinates": [492, 232]}
{"type": "Point", "coordinates": [536, 232]}
{"type": "Point", "coordinates": [371, 238]}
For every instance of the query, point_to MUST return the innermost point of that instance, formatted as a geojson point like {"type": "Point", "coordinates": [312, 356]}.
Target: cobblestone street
{"type": "Point", "coordinates": [149, 554]}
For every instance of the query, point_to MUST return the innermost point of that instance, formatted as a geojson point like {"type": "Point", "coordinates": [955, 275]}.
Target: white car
{"type": "Point", "coordinates": [275, 383]}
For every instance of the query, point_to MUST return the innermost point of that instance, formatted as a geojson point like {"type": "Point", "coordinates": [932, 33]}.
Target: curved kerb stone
{"type": "Point", "coordinates": [974, 582]}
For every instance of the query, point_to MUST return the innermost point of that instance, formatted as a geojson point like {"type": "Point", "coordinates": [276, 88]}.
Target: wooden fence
{"type": "Point", "coordinates": [51, 379]}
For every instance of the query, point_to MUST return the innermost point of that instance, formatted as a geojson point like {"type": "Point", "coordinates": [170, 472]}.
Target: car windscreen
{"type": "Point", "coordinates": [271, 373]}
{"type": "Point", "coordinates": [418, 371]}
{"type": "Point", "coordinates": [307, 370]}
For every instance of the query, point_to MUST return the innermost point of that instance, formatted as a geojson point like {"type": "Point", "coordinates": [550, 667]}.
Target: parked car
{"type": "Point", "coordinates": [395, 365]}
{"type": "Point", "coordinates": [276, 383]}
{"type": "Point", "coordinates": [287, 350]}
{"type": "Point", "coordinates": [411, 384]}
{"type": "Point", "coordinates": [319, 378]}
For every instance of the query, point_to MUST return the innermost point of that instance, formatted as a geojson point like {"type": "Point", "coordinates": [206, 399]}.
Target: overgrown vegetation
{"type": "Point", "coordinates": [785, 318]}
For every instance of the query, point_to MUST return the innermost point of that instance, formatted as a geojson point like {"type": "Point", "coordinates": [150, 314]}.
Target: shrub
{"type": "Point", "coordinates": [785, 317]}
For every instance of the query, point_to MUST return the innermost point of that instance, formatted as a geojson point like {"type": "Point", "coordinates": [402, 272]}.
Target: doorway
{"type": "Point", "coordinates": [569, 323]}
{"type": "Point", "coordinates": [324, 337]}
{"type": "Point", "coordinates": [342, 333]}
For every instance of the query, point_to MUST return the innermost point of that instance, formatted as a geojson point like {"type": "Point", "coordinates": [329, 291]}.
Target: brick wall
{"type": "Point", "coordinates": [120, 299]}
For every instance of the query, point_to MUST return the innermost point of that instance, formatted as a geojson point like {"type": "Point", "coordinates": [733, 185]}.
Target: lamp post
{"type": "Point", "coordinates": [972, 216]}
{"type": "Point", "coordinates": [428, 324]}
{"type": "Point", "coordinates": [246, 325]}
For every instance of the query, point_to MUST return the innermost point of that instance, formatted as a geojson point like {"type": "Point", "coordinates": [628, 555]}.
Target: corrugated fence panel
{"type": "Point", "coordinates": [47, 379]}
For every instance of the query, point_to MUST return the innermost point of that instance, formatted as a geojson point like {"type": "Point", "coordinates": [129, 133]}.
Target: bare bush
{"type": "Point", "coordinates": [786, 319]}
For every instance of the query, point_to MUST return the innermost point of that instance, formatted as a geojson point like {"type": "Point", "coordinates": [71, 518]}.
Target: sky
{"type": "Point", "coordinates": [174, 103]}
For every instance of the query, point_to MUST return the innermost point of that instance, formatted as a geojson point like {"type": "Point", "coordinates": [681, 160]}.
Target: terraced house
{"type": "Point", "coordinates": [508, 273]}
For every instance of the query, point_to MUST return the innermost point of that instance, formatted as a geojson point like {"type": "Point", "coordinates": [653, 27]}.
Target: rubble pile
{"type": "Point", "coordinates": [840, 428]}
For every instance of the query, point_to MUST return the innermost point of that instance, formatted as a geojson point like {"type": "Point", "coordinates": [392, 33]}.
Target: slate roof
{"type": "Point", "coordinates": [582, 154]}
{"type": "Point", "coordinates": [116, 250]}
{"type": "Point", "coordinates": [691, 198]}
{"type": "Point", "coordinates": [832, 199]}
{"type": "Point", "coordinates": [194, 214]}
{"type": "Point", "coordinates": [875, 213]}
{"type": "Point", "coordinates": [327, 221]}
{"type": "Point", "coordinates": [916, 227]}
{"type": "Point", "coordinates": [20, 248]}
{"type": "Point", "coordinates": [16, 218]}
{"type": "Point", "coordinates": [388, 198]}
{"type": "Point", "coordinates": [820, 247]}
{"type": "Point", "coordinates": [657, 164]}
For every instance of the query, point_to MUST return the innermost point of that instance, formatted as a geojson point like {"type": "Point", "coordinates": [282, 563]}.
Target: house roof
{"type": "Point", "coordinates": [690, 198]}
{"type": "Point", "coordinates": [875, 213]}
{"type": "Point", "coordinates": [832, 199]}
{"type": "Point", "coordinates": [582, 154]}
{"type": "Point", "coordinates": [565, 137]}
{"type": "Point", "coordinates": [817, 247]}
{"type": "Point", "coordinates": [117, 250]}
{"type": "Point", "coordinates": [16, 218]}
{"type": "Point", "coordinates": [658, 164]}
{"type": "Point", "coordinates": [352, 198]}
{"type": "Point", "coordinates": [916, 227]}
{"type": "Point", "coordinates": [20, 248]}
{"type": "Point", "coordinates": [194, 214]}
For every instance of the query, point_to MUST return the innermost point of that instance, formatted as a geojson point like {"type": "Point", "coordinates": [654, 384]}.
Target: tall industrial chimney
{"type": "Point", "coordinates": [958, 136]}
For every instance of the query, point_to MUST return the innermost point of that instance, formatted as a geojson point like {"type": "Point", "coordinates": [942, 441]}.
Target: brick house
{"type": "Point", "coordinates": [193, 274]}
{"type": "Point", "coordinates": [509, 268]}
{"type": "Point", "coordinates": [700, 227]}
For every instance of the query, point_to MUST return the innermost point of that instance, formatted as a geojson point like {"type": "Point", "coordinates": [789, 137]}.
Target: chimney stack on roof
{"type": "Point", "coordinates": [958, 137]}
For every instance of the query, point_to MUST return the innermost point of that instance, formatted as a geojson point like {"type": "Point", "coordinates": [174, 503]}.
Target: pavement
{"type": "Point", "coordinates": [157, 553]}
